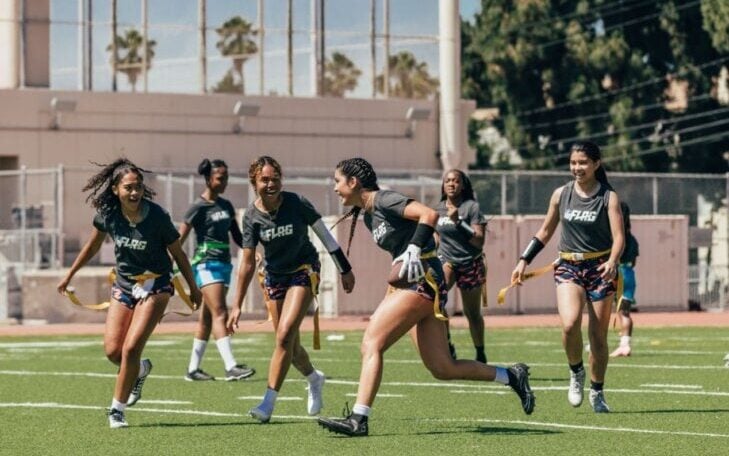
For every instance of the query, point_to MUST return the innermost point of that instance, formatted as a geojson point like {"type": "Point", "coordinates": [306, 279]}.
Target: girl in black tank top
{"type": "Point", "coordinates": [590, 246]}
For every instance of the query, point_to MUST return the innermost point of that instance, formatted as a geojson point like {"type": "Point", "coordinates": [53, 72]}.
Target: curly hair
{"type": "Point", "coordinates": [258, 164]}
{"type": "Point", "coordinates": [466, 190]}
{"type": "Point", "coordinates": [362, 170]}
{"type": "Point", "coordinates": [101, 184]}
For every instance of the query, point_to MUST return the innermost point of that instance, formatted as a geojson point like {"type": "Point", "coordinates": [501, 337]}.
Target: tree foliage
{"type": "Point", "coordinates": [633, 76]}
{"type": "Point", "coordinates": [409, 78]}
{"type": "Point", "coordinates": [235, 42]}
{"type": "Point", "coordinates": [130, 50]}
{"type": "Point", "coordinates": [340, 75]}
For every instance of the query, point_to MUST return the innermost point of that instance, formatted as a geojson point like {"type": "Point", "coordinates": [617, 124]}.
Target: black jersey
{"type": "Point", "coordinates": [585, 222]}
{"type": "Point", "coordinates": [390, 230]}
{"type": "Point", "coordinates": [283, 234]}
{"type": "Point", "coordinates": [455, 246]}
{"type": "Point", "coordinates": [211, 221]}
{"type": "Point", "coordinates": [142, 246]}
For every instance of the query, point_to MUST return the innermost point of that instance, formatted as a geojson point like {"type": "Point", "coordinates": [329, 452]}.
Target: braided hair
{"type": "Point", "coordinates": [466, 190]}
{"type": "Point", "coordinates": [258, 164]}
{"type": "Point", "coordinates": [207, 166]}
{"type": "Point", "coordinates": [362, 170]}
{"type": "Point", "coordinates": [592, 151]}
{"type": "Point", "coordinates": [101, 185]}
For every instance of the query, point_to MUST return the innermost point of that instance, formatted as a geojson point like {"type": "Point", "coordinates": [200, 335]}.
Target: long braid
{"type": "Point", "coordinates": [100, 185]}
{"type": "Point", "coordinates": [363, 171]}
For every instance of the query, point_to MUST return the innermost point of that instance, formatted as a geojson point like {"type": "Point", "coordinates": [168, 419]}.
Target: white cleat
{"type": "Point", "coordinates": [597, 400]}
{"type": "Point", "coordinates": [116, 419]}
{"type": "Point", "coordinates": [314, 401]}
{"type": "Point", "coordinates": [577, 384]}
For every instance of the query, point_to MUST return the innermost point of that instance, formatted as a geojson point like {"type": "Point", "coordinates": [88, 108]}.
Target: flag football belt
{"type": "Point", "coordinates": [433, 284]}
{"type": "Point", "coordinates": [203, 248]}
{"type": "Point", "coordinates": [314, 280]}
{"type": "Point", "coordinates": [568, 256]}
{"type": "Point", "coordinates": [141, 278]}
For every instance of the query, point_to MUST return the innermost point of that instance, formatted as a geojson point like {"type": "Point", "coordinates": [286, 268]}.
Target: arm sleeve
{"type": "Point", "coordinates": [250, 234]}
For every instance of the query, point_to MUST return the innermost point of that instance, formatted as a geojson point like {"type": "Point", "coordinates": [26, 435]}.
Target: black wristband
{"type": "Point", "coordinates": [340, 261]}
{"type": "Point", "coordinates": [535, 246]}
{"type": "Point", "coordinates": [423, 233]}
{"type": "Point", "coordinates": [465, 228]}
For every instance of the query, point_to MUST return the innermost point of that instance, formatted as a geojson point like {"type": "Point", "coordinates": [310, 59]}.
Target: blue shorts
{"type": "Point", "coordinates": [585, 274]}
{"type": "Point", "coordinates": [628, 298]}
{"type": "Point", "coordinates": [209, 272]}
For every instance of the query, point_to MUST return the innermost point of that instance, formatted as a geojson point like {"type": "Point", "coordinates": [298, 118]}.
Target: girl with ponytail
{"type": "Point", "coordinates": [590, 246]}
{"type": "Point", "coordinates": [213, 219]}
{"type": "Point", "coordinates": [144, 238]}
{"type": "Point", "coordinates": [404, 228]}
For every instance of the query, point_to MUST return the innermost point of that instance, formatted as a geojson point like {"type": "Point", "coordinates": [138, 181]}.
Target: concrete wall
{"type": "Point", "coordinates": [176, 131]}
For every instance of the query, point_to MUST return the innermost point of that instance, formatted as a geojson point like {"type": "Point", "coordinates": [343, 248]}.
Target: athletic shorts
{"type": "Point", "coordinates": [209, 272]}
{"type": "Point", "coordinates": [276, 285]}
{"type": "Point", "coordinates": [469, 275]}
{"type": "Point", "coordinates": [628, 273]}
{"type": "Point", "coordinates": [424, 289]}
{"type": "Point", "coordinates": [160, 285]}
{"type": "Point", "coordinates": [585, 275]}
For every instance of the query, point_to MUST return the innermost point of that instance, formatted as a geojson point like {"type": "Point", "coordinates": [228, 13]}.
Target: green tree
{"type": "Point", "coordinates": [600, 70]}
{"type": "Point", "coordinates": [235, 42]}
{"type": "Point", "coordinates": [130, 55]}
{"type": "Point", "coordinates": [340, 75]}
{"type": "Point", "coordinates": [228, 84]}
{"type": "Point", "coordinates": [409, 78]}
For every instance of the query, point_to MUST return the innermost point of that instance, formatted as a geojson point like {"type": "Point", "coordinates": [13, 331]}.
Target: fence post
{"type": "Point", "coordinates": [22, 195]}
{"type": "Point", "coordinates": [503, 194]}
{"type": "Point", "coordinates": [655, 194]}
{"type": "Point", "coordinates": [168, 196]}
{"type": "Point", "coordinates": [60, 191]}
{"type": "Point", "coordinates": [722, 304]}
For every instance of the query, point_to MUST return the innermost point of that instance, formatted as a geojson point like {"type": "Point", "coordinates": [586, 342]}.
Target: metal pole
{"type": "Point", "coordinates": [655, 195]}
{"type": "Point", "coordinates": [261, 44]}
{"type": "Point", "coordinates": [168, 196]}
{"type": "Point", "coordinates": [23, 42]}
{"type": "Point", "coordinates": [113, 46]}
{"type": "Point", "coordinates": [322, 44]}
{"type": "Point", "coordinates": [290, 47]}
{"type": "Point", "coordinates": [503, 194]}
{"type": "Point", "coordinates": [145, 57]}
{"type": "Point", "coordinates": [60, 214]}
{"type": "Point", "coordinates": [23, 189]}
{"type": "Point", "coordinates": [202, 39]}
{"type": "Point", "coordinates": [81, 45]}
{"type": "Point", "coordinates": [89, 47]}
{"type": "Point", "coordinates": [373, 49]}
{"type": "Point", "coordinates": [722, 304]}
{"type": "Point", "coordinates": [386, 33]}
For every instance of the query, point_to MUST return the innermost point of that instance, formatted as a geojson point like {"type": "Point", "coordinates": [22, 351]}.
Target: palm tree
{"type": "Point", "coordinates": [235, 42]}
{"type": "Point", "coordinates": [340, 75]}
{"type": "Point", "coordinates": [129, 55]}
{"type": "Point", "coordinates": [409, 78]}
{"type": "Point", "coordinates": [227, 84]}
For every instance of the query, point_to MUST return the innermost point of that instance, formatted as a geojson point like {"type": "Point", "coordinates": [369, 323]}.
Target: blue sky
{"type": "Point", "coordinates": [172, 24]}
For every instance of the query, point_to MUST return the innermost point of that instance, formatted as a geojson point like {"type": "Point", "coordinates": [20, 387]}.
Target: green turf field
{"type": "Point", "coordinates": [670, 397]}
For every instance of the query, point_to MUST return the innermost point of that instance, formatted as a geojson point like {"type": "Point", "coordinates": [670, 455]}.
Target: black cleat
{"type": "Point", "coordinates": [198, 375]}
{"type": "Point", "coordinates": [519, 382]}
{"type": "Point", "coordinates": [352, 424]}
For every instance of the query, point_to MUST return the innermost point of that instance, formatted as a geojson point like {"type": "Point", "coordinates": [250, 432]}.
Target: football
{"type": "Point", "coordinates": [394, 280]}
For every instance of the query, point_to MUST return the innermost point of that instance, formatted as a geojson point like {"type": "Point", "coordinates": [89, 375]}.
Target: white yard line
{"type": "Point", "coordinates": [538, 424]}
{"type": "Point", "coordinates": [279, 398]}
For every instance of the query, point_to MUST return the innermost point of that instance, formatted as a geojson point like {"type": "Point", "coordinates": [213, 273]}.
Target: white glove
{"type": "Point", "coordinates": [142, 291]}
{"type": "Point", "coordinates": [411, 264]}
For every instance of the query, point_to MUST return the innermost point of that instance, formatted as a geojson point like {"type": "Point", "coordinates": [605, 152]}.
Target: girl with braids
{"type": "Point", "coordinates": [143, 235]}
{"type": "Point", "coordinates": [213, 219]}
{"type": "Point", "coordinates": [404, 228]}
{"type": "Point", "coordinates": [279, 221]}
{"type": "Point", "coordinates": [586, 273]}
{"type": "Point", "coordinates": [460, 231]}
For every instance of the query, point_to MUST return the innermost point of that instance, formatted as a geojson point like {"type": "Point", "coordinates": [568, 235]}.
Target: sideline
{"type": "Point", "coordinates": [359, 322]}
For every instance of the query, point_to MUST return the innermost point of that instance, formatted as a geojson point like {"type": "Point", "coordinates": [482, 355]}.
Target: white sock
{"type": "Point", "coordinates": [360, 409]}
{"type": "Point", "coordinates": [502, 375]}
{"type": "Point", "coordinates": [625, 341]}
{"type": "Point", "coordinates": [314, 376]}
{"type": "Point", "coordinates": [198, 350]}
{"type": "Point", "coordinates": [118, 405]}
{"type": "Point", "coordinates": [269, 399]}
{"type": "Point", "coordinates": [226, 352]}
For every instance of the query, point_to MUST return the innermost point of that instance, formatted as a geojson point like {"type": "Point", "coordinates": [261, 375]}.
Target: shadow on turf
{"type": "Point", "coordinates": [193, 425]}
{"type": "Point", "coordinates": [634, 412]}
